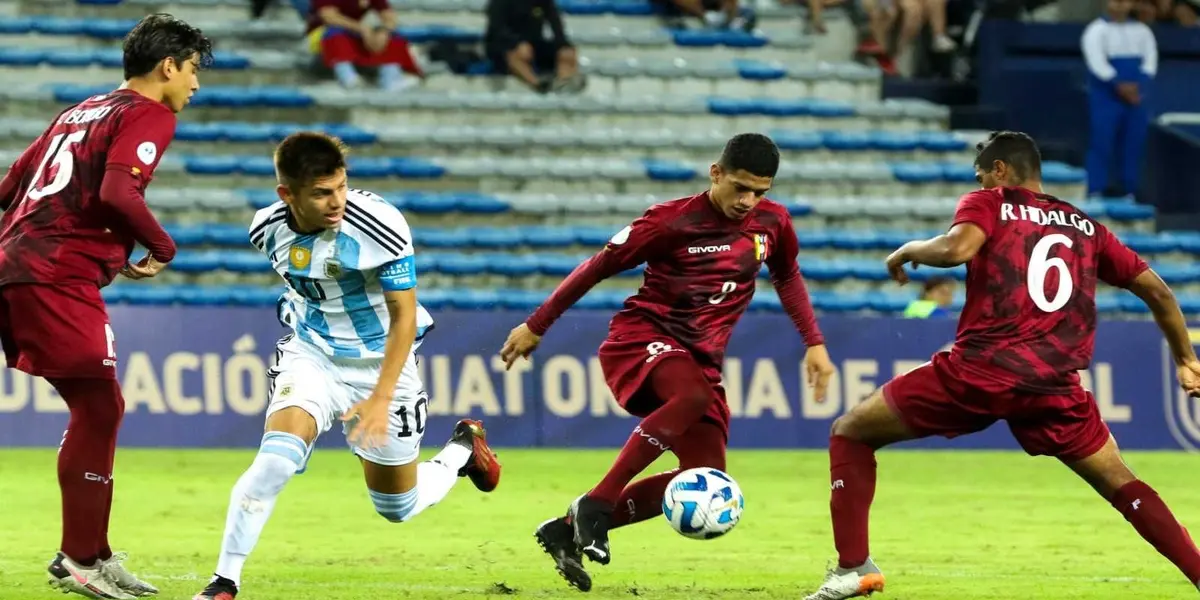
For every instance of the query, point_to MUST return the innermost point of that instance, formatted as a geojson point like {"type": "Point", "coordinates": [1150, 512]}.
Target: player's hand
{"type": "Point", "coordinates": [369, 422]}
{"type": "Point", "coordinates": [895, 265]}
{"type": "Point", "coordinates": [819, 369]}
{"type": "Point", "coordinates": [521, 343]}
{"type": "Point", "coordinates": [147, 267]}
{"type": "Point", "coordinates": [1189, 377]}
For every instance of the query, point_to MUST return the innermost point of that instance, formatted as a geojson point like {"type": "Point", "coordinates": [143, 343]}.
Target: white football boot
{"type": "Point", "coordinates": [69, 577]}
{"type": "Point", "coordinates": [864, 580]}
{"type": "Point", "coordinates": [115, 571]}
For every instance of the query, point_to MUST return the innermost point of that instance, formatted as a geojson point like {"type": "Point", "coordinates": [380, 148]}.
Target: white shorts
{"type": "Point", "coordinates": [326, 387]}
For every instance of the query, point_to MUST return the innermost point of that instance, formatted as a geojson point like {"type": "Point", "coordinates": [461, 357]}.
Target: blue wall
{"type": "Point", "coordinates": [194, 377]}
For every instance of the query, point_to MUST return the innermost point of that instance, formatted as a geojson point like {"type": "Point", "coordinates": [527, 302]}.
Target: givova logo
{"type": "Point", "coordinates": [1183, 411]}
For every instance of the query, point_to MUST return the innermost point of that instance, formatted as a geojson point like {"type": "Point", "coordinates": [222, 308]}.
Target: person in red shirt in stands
{"type": "Point", "coordinates": [338, 32]}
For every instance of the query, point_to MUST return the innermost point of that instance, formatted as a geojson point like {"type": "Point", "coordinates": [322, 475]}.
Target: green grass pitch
{"type": "Point", "coordinates": [960, 526]}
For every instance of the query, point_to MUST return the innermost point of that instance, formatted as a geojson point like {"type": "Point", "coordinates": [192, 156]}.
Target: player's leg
{"type": "Point", "coordinates": [685, 395]}
{"type": "Point", "coordinates": [703, 445]}
{"type": "Point", "coordinates": [1108, 474]}
{"type": "Point", "coordinates": [401, 488]}
{"type": "Point", "coordinates": [1070, 428]}
{"type": "Point", "coordinates": [916, 404]}
{"type": "Point", "coordinates": [299, 410]}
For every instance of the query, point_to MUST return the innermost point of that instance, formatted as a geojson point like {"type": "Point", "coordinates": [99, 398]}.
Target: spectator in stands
{"type": "Point", "coordinates": [715, 14]}
{"type": "Point", "coordinates": [516, 43]}
{"type": "Point", "coordinates": [338, 31]}
{"type": "Point", "coordinates": [259, 7]}
{"type": "Point", "coordinates": [1122, 58]}
{"type": "Point", "coordinates": [936, 297]}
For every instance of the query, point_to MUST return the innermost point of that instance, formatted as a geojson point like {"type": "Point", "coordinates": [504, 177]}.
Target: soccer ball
{"type": "Point", "coordinates": [703, 503]}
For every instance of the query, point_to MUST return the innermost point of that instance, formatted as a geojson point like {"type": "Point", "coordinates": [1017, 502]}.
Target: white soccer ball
{"type": "Point", "coordinates": [703, 503]}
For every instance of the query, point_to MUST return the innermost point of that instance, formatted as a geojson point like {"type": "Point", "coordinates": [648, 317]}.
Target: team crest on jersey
{"type": "Point", "coordinates": [333, 269]}
{"type": "Point", "coordinates": [300, 257]}
{"type": "Point", "coordinates": [760, 247]}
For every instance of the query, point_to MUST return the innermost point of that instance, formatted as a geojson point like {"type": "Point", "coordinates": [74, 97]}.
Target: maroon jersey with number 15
{"type": "Point", "coordinates": [1030, 315]}
{"type": "Point", "coordinates": [55, 227]}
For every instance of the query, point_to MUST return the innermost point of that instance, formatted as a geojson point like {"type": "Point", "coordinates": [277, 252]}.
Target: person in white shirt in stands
{"type": "Point", "coordinates": [1122, 59]}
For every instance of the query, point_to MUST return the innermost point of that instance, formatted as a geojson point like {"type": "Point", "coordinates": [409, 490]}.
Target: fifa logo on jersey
{"type": "Point", "coordinates": [760, 247]}
{"type": "Point", "coordinates": [299, 257]}
{"type": "Point", "coordinates": [1183, 411]}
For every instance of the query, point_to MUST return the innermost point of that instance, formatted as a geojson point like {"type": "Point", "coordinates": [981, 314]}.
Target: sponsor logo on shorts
{"type": "Point", "coordinates": [1183, 411]}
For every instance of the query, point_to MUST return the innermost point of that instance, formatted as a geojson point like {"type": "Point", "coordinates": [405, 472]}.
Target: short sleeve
{"type": "Point", "coordinates": [398, 275]}
{"type": "Point", "coordinates": [1118, 264]}
{"type": "Point", "coordinates": [978, 208]}
{"type": "Point", "coordinates": [381, 231]}
{"type": "Point", "coordinates": [141, 138]}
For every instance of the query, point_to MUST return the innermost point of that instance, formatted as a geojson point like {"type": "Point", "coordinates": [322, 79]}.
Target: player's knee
{"type": "Point", "coordinates": [396, 508]}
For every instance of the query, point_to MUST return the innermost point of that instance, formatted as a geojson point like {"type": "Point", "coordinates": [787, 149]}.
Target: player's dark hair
{"type": "Point", "coordinates": [753, 153]}
{"type": "Point", "coordinates": [1014, 148]}
{"type": "Point", "coordinates": [160, 36]}
{"type": "Point", "coordinates": [306, 156]}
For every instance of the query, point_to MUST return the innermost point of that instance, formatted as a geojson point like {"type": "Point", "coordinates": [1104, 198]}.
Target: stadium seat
{"type": "Point", "coordinates": [222, 234]}
{"type": "Point", "coordinates": [196, 261]}
{"type": "Point", "coordinates": [203, 295]}
{"type": "Point", "coordinates": [150, 295]}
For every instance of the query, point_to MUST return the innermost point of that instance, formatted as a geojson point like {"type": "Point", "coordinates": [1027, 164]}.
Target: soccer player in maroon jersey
{"type": "Point", "coordinates": [664, 351]}
{"type": "Point", "coordinates": [1027, 328]}
{"type": "Point", "coordinates": [73, 209]}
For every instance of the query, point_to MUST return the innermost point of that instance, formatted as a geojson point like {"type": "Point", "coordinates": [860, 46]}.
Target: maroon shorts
{"type": "Point", "coordinates": [57, 331]}
{"type": "Point", "coordinates": [941, 398]}
{"type": "Point", "coordinates": [627, 360]}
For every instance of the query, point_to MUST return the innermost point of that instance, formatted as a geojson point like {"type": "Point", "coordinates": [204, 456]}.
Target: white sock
{"type": "Point", "coordinates": [436, 476]}
{"type": "Point", "coordinates": [253, 498]}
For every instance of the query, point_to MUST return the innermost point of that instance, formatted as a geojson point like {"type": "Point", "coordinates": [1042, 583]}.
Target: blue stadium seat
{"type": "Point", "coordinates": [245, 262]}
{"type": "Point", "coordinates": [442, 238]}
{"type": "Point", "coordinates": [1129, 212]}
{"type": "Point", "coordinates": [351, 134]}
{"type": "Point", "coordinates": [69, 57]}
{"type": "Point", "coordinates": [109, 58]}
{"type": "Point", "coordinates": [196, 261]}
{"type": "Point", "coordinates": [854, 239]}
{"type": "Point", "coordinates": [260, 198]}
{"type": "Point", "coordinates": [476, 299]}
{"type": "Point", "coordinates": [211, 165]}
{"type": "Point", "coordinates": [830, 108]}
{"type": "Point", "coordinates": [416, 168]}
{"type": "Point", "coordinates": [108, 29]}
{"type": "Point", "coordinates": [426, 262]}
{"type": "Point", "coordinates": [742, 39]}
{"type": "Point", "coordinates": [867, 270]}
{"type": "Point", "coordinates": [1187, 241]}
{"type": "Point", "coordinates": [493, 237]}
{"type": "Point", "coordinates": [435, 299]}
{"type": "Point", "coordinates": [841, 301]}
{"type": "Point", "coordinates": [917, 172]}
{"type": "Point", "coordinates": [889, 302]}
{"type": "Point", "coordinates": [548, 237]}
{"type": "Point", "coordinates": [824, 270]}
{"type": "Point", "coordinates": [669, 170]}
{"type": "Point", "coordinates": [895, 141]}
{"type": "Point", "coordinates": [1189, 303]}
{"type": "Point", "coordinates": [21, 57]}
{"type": "Point", "coordinates": [254, 296]}
{"type": "Point", "coordinates": [58, 25]}
{"type": "Point", "coordinates": [13, 25]}
{"type": "Point", "coordinates": [187, 131]}
{"type": "Point", "coordinates": [798, 208]}
{"type": "Point", "coordinates": [1149, 243]}
{"type": "Point", "coordinates": [282, 97]}
{"type": "Point", "coordinates": [781, 107]}
{"type": "Point", "coordinates": [602, 300]}
{"type": "Point", "coordinates": [113, 294]}
{"type": "Point", "coordinates": [258, 166]}
{"type": "Point", "coordinates": [230, 61]}
{"type": "Point", "coordinates": [698, 38]}
{"type": "Point", "coordinates": [798, 140]}
{"type": "Point", "coordinates": [523, 300]}
{"type": "Point", "coordinates": [814, 238]}
{"type": "Point", "coordinates": [1133, 304]}
{"type": "Point", "coordinates": [631, 8]}
{"type": "Point", "coordinates": [369, 167]}
{"type": "Point", "coordinates": [1108, 303]}
{"type": "Point", "coordinates": [557, 264]}
{"type": "Point", "coordinates": [202, 295]}
{"type": "Point", "coordinates": [941, 141]}
{"type": "Point", "coordinates": [226, 234]}
{"type": "Point", "coordinates": [247, 132]}
{"type": "Point", "coordinates": [149, 295]}
{"type": "Point", "coordinates": [958, 172]}
{"type": "Point", "coordinates": [1179, 273]}
{"type": "Point", "coordinates": [594, 236]}
{"type": "Point", "coordinates": [186, 235]}
{"type": "Point", "coordinates": [430, 203]}
{"type": "Point", "coordinates": [755, 70]}
{"type": "Point", "coordinates": [228, 96]}
{"type": "Point", "coordinates": [925, 273]}
{"type": "Point", "coordinates": [462, 264]}
{"type": "Point", "coordinates": [846, 141]}
{"type": "Point", "coordinates": [732, 107]}
{"type": "Point", "coordinates": [583, 7]}
{"type": "Point", "coordinates": [477, 203]}
{"type": "Point", "coordinates": [514, 265]}
{"type": "Point", "coordinates": [764, 300]}
{"type": "Point", "coordinates": [1057, 172]}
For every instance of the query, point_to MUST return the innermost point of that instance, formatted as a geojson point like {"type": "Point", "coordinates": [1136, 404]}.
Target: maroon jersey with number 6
{"type": "Point", "coordinates": [1030, 316]}
{"type": "Point", "coordinates": [55, 228]}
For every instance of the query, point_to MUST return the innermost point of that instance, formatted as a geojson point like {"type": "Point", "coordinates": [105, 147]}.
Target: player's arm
{"type": "Point", "coordinates": [399, 281]}
{"type": "Point", "coordinates": [137, 147]}
{"type": "Point", "coordinates": [554, 19]}
{"type": "Point", "coordinates": [629, 248]}
{"type": "Point", "coordinates": [388, 17]}
{"type": "Point", "coordinates": [974, 219]}
{"type": "Point", "coordinates": [793, 294]}
{"type": "Point", "coordinates": [331, 16]}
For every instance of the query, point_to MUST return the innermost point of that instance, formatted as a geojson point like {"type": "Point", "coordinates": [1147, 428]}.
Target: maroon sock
{"type": "Point", "coordinates": [104, 551]}
{"type": "Point", "coordinates": [686, 395]}
{"type": "Point", "coordinates": [642, 499]}
{"type": "Point", "coordinates": [852, 489]}
{"type": "Point", "coordinates": [85, 463]}
{"type": "Point", "coordinates": [1149, 515]}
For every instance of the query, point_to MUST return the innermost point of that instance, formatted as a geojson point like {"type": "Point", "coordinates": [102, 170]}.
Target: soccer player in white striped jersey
{"type": "Point", "coordinates": [347, 257]}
